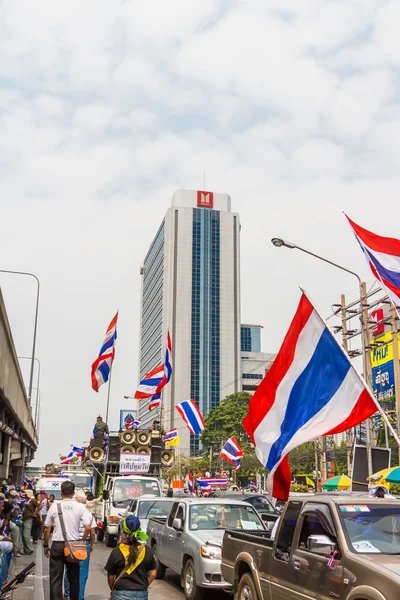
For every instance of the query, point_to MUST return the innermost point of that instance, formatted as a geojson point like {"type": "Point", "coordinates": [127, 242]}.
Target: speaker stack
{"type": "Point", "coordinates": [114, 448]}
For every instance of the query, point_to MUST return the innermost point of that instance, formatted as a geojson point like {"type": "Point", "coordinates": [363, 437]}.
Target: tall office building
{"type": "Point", "coordinates": [255, 364]}
{"type": "Point", "coordinates": [191, 286]}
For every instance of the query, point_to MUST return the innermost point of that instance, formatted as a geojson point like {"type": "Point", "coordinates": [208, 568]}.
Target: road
{"type": "Point", "coordinates": [36, 586]}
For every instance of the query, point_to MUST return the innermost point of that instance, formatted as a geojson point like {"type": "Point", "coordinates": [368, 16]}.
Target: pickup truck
{"type": "Point", "coordinates": [117, 494]}
{"type": "Point", "coordinates": [189, 540]}
{"type": "Point", "coordinates": [324, 548]}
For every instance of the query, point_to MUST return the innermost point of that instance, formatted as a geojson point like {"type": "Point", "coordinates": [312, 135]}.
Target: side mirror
{"type": "Point", "coordinates": [106, 494]}
{"type": "Point", "coordinates": [177, 524]}
{"type": "Point", "coordinates": [321, 544]}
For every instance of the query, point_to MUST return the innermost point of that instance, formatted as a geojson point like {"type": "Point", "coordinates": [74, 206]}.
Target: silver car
{"type": "Point", "coordinates": [146, 508]}
{"type": "Point", "coordinates": [189, 540]}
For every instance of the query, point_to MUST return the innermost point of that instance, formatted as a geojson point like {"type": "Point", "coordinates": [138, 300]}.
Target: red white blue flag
{"type": "Point", "coordinates": [67, 459]}
{"type": "Point", "coordinates": [191, 489]}
{"type": "Point", "coordinates": [311, 390]}
{"type": "Point", "coordinates": [171, 435]}
{"type": "Point", "coordinates": [232, 452]}
{"type": "Point", "coordinates": [383, 257]}
{"type": "Point", "coordinates": [204, 485]}
{"type": "Point", "coordinates": [102, 365]}
{"type": "Point", "coordinates": [78, 452]}
{"type": "Point", "coordinates": [191, 415]}
{"type": "Point", "coordinates": [151, 384]}
{"type": "Point", "coordinates": [155, 401]}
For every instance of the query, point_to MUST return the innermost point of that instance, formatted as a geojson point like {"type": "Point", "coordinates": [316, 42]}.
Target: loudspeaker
{"type": "Point", "coordinates": [96, 443]}
{"type": "Point", "coordinates": [114, 446]}
{"type": "Point", "coordinates": [128, 436]}
{"type": "Point", "coordinates": [96, 454]}
{"type": "Point", "coordinates": [127, 449]}
{"type": "Point", "coordinates": [143, 450]}
{"type": "Point", "coordinates": [155, 455]}
{"type": "Point", "coordinates": [167, 457]}
{"type": "Point", "coordinates": [143, 438]}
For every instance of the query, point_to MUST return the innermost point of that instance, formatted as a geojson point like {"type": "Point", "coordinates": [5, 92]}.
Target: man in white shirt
{"type": "Point", "coordinates": [74, 515]}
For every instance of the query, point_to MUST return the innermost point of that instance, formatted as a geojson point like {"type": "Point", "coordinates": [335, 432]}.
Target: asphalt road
{"type": "Point", "coordinates": [36, 586]}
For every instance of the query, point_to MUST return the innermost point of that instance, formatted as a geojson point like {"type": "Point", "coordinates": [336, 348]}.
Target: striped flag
{"type": "Point", "coordinates": [78, 452]}
{"type": "Point", "coordinates": [102, 365]}
{"type": "Point", "coordinates": [191, 489]}
{"type": "Point", "coordinates": [311, 390]}
{"type": "Point", "coordinates": [151, 384]}
{"type": "Point", "coordinates": [168, 360]}
{"type": "Point", "coordinates": [191, 415]}
{"type": "Point", "coordinates": [383, 257]}
{"type": "Point", "coordinates": [232, 452]}
{"type": "Point", "coordinates": [155, 401]}
{"type": "Point", "coordinates": [213, 482]}
{"type": "Point", "coordinates": [67, 459]}
{"type": "Point", "coordinates": [204, 485]}
{"type": "Point", "coordinates": [171, 435]}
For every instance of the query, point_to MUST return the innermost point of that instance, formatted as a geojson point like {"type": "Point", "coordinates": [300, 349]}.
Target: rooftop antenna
{"type": "Point", "coordinates": [204, 180]}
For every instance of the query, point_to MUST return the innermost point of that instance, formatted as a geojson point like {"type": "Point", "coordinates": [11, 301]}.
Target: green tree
{"type": "Point", "coordinates": [227, 420]}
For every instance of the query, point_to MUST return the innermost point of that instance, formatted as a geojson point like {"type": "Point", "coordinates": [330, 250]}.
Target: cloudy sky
{"type": "Point", "coordinates": [107, 107]}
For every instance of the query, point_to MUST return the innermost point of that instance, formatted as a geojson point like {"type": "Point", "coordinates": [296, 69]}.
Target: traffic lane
{"type": "Point", "coordinates": [36, 585]}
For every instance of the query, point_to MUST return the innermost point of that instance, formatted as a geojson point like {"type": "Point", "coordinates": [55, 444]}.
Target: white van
{"type": "Point", "coordinates": [51, 485]}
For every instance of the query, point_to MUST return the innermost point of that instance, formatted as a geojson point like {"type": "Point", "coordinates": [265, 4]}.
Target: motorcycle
{"type": "Point", "coordinates": [19, 578]}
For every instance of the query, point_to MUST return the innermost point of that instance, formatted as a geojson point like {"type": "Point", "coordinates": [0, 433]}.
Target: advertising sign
{"type": "Point", "coordinates": [205, 199]}
{"type": "Point", "coordinates": [126, 416]}
{"type": "Point", "coordinates": [383, 381]}
{"type": "Point", "coordinates": [131, 463]}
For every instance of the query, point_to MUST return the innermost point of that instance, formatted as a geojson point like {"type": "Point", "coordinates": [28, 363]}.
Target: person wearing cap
{"type": "Point", "coordinates": [131, 566]}
{"type": "Point", "coordinates": [100, 429]}
{"type": "Point", "coordinates": [80, 497]}
{"type": "Point", "coordinates": [30, 511]}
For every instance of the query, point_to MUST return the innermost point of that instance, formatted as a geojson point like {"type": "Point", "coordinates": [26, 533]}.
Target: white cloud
{"type": "Point", "coordinates": [107, 107]}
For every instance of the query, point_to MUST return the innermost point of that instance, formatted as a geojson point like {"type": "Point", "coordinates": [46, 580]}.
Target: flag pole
{"type": "Point", "coordinates": [378, 406]}
{"type": "Point", "coordinates": [108, 393]}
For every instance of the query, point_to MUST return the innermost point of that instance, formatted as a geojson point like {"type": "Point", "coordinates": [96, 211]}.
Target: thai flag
{"type": "Point", "coordinates": [68, 459]}
{"type": "Point", "coordinates": [253, 486]}
{"type": "Point", "coordinates": [191, 415]}
{"type": "Point", "coordinates": [151, 384]}
{"type": "Point", "coordinates": [232, 452]}
{"type": "Point", "coordinates": [168, 360]}
{"type": "Point", "coordinates": [204, 485]}
{"type": "Point", "coordinates": [383, 256]}
{"type": "Point", "coordinates": [78, 452]}
{"type": "Point", "coordinates": [102, 365]}
{"type": "Point", "coordinates": [311, 390]}
{"type": "Point", "coordinates": [155, 401]}
{"type": "Point", "coordinates": [171, 435]}
{"type": "Point", "coordinates": [191, 489]}
{"type": "Point", "coordinates": [214, 482]}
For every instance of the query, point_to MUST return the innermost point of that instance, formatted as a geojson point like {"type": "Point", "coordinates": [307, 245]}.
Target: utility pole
{"type": "Point", "coordinates": [367, 368]}
{"type": "Point", "coordinates": [396, 364]}
{"type": "Point", "coordinates": [345, 343]}
{"type": "Point", "coordinates": [316, 465]}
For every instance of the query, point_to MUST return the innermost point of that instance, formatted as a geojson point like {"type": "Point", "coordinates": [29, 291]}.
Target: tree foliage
{"type": "Point", "coordinates": [226, 420]}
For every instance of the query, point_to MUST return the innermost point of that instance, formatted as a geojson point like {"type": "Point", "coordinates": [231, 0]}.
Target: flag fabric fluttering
{"type": "Point", "coordinates": [168, 360]}
{"type": "Point", "coordinates": [155, 401]}
{"type": "Point", "coordinates": [232, 452]}
{"type": "Point", "coordinates": [191, 415]}
{"type": "Point", "coordinates": [136, 423]}
{"type": "Point", "coordinates": [78, 452]}
{"type": "Point", "coordinates": [191, 489]}
{"type": "Point", "coordinates": [311, 390]}
{"type": "Point", "coordinates": [383, 257]}
{"type": "Point", "coordinates": [171, 435]}
{"type": "Point", "coordinates": [205, 487]}
{"type": "Point", "coordinates": [213, 482]}
{"type": "Point", "coordinates": [102, 365]}
{"type": "Point", "coordinates": [253, 486]}
{"type": "Point", "coordinates": [151, 384]}
{"type": "Point", "coordinates": [68, 459]}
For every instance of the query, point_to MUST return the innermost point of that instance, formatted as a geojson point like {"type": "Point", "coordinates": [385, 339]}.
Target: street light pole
{"type": "Point", "coordinates": [38, 379]}
{"type": "Point", "coordinates": [35, 326]}
{"type": "Point", "coordinates": [279, 242]}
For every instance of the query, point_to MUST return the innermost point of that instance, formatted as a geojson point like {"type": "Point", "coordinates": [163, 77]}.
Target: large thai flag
{"type": "Point", "coordinates": [311, 390]}
{"type": "Point", "coordinates": [102, 365]}
{"type": "Point", "coordinates": [191, 415]}
{"type": "Point", "coordinates": [232, 452]}
{"type": "Point", "coordinates": [383, 256]}
{"type": "Point", "coordinates": [151, 384]}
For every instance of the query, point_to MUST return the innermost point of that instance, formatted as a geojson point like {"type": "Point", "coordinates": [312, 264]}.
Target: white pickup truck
{"type": "Point", "coordinates": [117, 494]}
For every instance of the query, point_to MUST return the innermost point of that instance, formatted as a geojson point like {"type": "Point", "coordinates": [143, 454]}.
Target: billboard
{"type": "Point", "coordinates": [380, 460]}
{"type": "Point", "coordinates": [383, 383]}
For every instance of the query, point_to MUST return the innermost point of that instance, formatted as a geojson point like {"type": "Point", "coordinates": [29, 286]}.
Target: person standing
{"type": "Point", "coordinates": [80, 497]}
{"type": "Point", "coordinates": [37, 520]}
{"type": "Point", "coordinates": [100, 429]}
{"type": "Point", "coordinates": [75, 516]}
{"type": "Point", "coordinates": [131, 567]}
{"type": "Point", "coordinates": [31, 509]}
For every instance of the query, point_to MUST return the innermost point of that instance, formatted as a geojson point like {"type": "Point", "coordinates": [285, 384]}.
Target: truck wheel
{"type": "Point", "coordinates": [246, 589]}
{"type": "Point", "coordinates": [111, 540]}
{"type": "Point", "coordinates": [100, 534]}
{"type": "Point", "coordinates": [192, 591]}
{"type": "Point", "coordinates": [160, 568]}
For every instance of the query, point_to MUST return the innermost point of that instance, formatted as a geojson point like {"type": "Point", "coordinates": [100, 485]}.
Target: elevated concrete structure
{"type": "Point", "coordinates": [18, 435]}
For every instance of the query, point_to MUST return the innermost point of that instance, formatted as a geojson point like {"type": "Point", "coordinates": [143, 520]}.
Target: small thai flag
{"type": "Point", "coordinates": [232, 452]}
{"type": "Point", "coordinates": [136, 423]}
{"type": "Point", "coordinates": [78, 452]}
{"type": "Point", "coordinates": [68, 459]}
{"type": "Point", "coordinates": [204, 486]}
{"type": "Point", "coordinates": [155, 401]}
{"type": "Point", "coordinates": [253, 486]}
{"type": "Point", "coordinates": [191, 415]}
{"type": "Point", "coordinates": [171, 435]}
{"type": "Point", "coordinates": [102, 365]}
{"type": "Point", "coordinates": [214, 482]}
{"type": "Point", "coordinates": [191, 489]}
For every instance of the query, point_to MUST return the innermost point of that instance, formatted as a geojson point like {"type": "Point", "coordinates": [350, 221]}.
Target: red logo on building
{"type": "Point", "coordinates": [377, 316]}
{"type": "Point", "coordinates": [205, 199]}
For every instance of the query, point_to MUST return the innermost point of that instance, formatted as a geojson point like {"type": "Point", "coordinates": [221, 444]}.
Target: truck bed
{"type": "Point", "coordinates": [260, 537]}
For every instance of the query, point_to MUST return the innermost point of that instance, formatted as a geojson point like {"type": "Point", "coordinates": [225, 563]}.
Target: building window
{"type": "Point", "coordinates": [252, 376]}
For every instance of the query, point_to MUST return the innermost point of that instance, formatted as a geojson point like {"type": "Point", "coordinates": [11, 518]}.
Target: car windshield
{"type": "Point", "coordinates": [126, 489]}
{"type": "Point", "coordinates": [224, 516]}
{"type": "Point", "coordinates": [372, 528]}
{"type": "Point", "coordinates": [261, 503]}
{"type": "Point", "coordinates": [156, 509]}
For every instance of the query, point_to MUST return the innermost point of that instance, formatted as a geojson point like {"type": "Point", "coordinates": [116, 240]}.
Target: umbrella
{"type": "Point", "coordinates": [392, 475]}
{"type": "Point", "coordinates": [340, 482]}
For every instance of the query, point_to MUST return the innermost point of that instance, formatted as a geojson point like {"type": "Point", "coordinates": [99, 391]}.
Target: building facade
{"type": "Point", "coordinates": [254, 363]}
{"type": "Point", "coordinates": [191, 286]}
